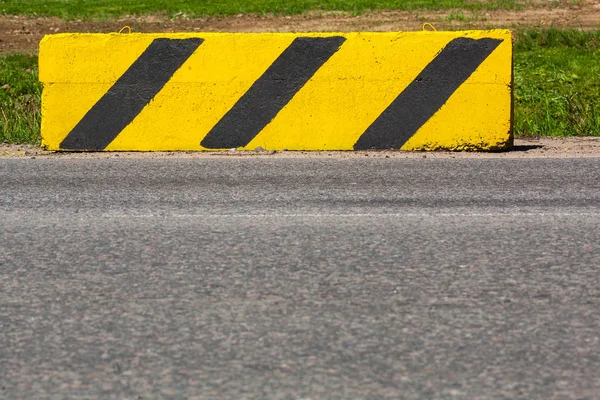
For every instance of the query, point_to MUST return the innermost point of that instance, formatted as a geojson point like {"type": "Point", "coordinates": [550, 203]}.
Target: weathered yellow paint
{"type": "Point", "coordinates": [330, 112]}
{"type": "Point", "coordinates": [77, 70]}
{"type": "Point", "coordinates": [351, 91]}
{"type": "Point", "coordinates": [201, 92]}
{"type": "Point", "coordinates": [478, 115]}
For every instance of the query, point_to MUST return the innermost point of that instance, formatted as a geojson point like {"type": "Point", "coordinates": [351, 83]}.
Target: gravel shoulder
{"type": "Point", "coordinates": [545, 147]}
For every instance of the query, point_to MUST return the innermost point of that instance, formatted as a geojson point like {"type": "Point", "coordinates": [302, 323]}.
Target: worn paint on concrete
{"type": "Point", "coordinates": [295, 91]}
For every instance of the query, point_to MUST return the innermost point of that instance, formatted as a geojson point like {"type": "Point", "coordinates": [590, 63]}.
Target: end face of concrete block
{"type": "Point", "coordinates": [315, 91]}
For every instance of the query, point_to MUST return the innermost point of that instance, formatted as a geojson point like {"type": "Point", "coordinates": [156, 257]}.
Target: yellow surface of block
{"type": "Point", "coordinates": [300, 91]}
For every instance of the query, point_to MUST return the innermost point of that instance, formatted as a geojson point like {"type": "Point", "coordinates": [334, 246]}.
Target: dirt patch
{"type": "Point", "coordinates": [22, 34]}
{"type": "Point", "coordinates": [524, 148]}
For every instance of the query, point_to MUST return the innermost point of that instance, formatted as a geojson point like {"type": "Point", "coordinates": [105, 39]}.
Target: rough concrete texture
{"type": "Point", "coordinates": [276, 91]}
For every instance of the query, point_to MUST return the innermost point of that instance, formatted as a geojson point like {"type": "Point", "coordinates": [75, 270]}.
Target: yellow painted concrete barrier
{"type": "Point", "coordinates": [294, 91]}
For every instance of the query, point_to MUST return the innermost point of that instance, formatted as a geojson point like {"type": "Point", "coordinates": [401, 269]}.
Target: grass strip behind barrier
{"type": "Point", "coordinates": [72, 9]}
{"type": "Point", "coordinates": [557, 83]}
{"type": "Point", "coordinates": [557, 87]}
{"type": "Point", "coordinates": [20, 99]}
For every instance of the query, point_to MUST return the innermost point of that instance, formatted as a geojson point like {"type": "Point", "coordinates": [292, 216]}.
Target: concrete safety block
{"type": "Point", "coordinates": [294, 91]}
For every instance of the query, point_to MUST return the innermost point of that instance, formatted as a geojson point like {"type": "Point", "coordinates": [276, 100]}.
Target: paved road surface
{"type": "Point", "coordinates": [299, 278]}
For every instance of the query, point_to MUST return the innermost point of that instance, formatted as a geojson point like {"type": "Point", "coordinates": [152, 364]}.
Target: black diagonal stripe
{"type": "Point", "coordinates": [271, 92]}
{"type": "Point", "coordinates": [130, 94]}
{"type": "Point", "coordinates": [427, 93]}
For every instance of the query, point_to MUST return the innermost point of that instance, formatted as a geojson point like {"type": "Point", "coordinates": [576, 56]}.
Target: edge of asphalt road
{"type": "Point", "coordinates": [542, 147]}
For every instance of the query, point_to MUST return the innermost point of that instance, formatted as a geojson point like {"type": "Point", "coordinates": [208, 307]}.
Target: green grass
{"type": "Point", "coordinates": [20, 94]}
{"type": "Point", "coordinates": [557, 87]}
{"type": "Point", "coordinates": [114, 8]}
{"type": "Point", "coordinates": [557, 83]}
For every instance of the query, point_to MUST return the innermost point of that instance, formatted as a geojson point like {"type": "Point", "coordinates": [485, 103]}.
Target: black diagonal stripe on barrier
{"type": "Point", "coordinates": [424, 96]}
{"type": "Point", "coordinates": [272, 91]}
{"type": "Point", "coordinates": [130, 94]}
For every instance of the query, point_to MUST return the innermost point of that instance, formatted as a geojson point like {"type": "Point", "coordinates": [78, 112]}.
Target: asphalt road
{"type": "Point", "coordinates": [299, 278]}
